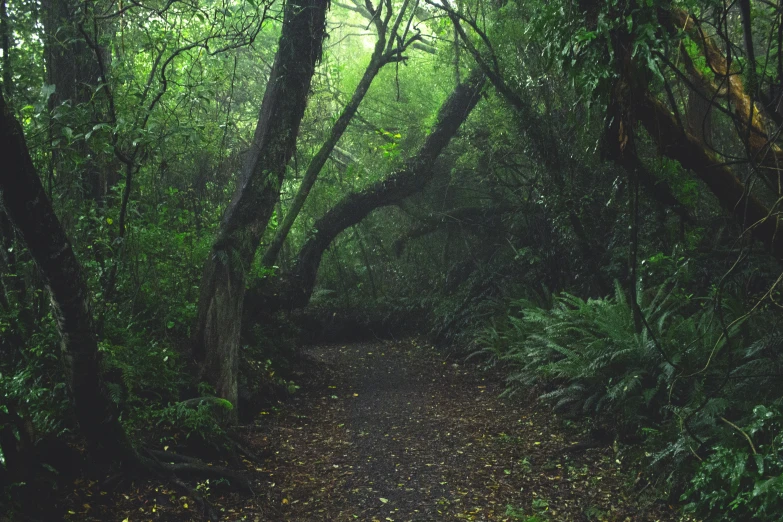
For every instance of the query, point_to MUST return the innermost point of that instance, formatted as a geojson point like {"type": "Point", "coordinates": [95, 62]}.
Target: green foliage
{"type": "Point", "coordinates": [185, 97]}
{"type": "Point", "coordinates": [591, 348]}
{"type": "Point", "coordinates": [674, 384]}
{"type": "Point", "coordinates": [35, 385]}
{"type": "Point", "coordinates": [582, 46]}
{"type": "Point", "coordinates": [515, 513]}
{"type": "Point", "coordinates": [742, 479]}
{"type": "Point", "coordinates": [198, 419]}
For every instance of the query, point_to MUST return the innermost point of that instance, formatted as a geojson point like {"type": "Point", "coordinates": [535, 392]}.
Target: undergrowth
{"type": "Point", "coordinates": [696, 390]}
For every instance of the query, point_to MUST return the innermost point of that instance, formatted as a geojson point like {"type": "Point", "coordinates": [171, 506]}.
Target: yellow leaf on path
{"type": "Point", "coordinates": [384, 500]}
{"type": "Point", "coordinates": [285, 501]}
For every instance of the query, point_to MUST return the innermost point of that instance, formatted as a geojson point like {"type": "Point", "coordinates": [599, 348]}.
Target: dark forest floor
{"type": "Point", "coordinates": [394, 431]}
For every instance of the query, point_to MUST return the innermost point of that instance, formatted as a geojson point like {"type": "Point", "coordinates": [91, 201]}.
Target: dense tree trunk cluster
{"type": "Point", "coordinates": [388, 49]}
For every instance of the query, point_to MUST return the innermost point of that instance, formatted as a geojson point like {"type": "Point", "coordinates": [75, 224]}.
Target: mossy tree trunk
{"type": "Point", "coordinates": [216, 342]}
{"type": "Point", "coordinates": [674, 142]}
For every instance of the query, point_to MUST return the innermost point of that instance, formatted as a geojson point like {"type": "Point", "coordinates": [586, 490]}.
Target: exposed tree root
{"type": "Point", "coordinates": [179, 465]}
{"type": "Point", "coordinates": [241, 448]}
{"type": "Point", "coordinates": [172, 467]}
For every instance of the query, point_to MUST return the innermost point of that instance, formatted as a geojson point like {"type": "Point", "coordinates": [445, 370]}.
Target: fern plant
{"type": "Point", "coordinates": [678, 383]}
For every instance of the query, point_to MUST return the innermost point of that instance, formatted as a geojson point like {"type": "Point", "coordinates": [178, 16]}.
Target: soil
{"type": "Point", "coordinates": [397, 431]}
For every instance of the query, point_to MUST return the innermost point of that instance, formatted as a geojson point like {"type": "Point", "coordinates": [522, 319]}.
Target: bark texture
{"type": "Point", "coordinates": [30, 211]}
{"type": "Point", "coordinates": [412, 178]}
{"type": "Point", "coordinates": [728, 83]}
{"type": "Point", "coordinates": [216, 342]}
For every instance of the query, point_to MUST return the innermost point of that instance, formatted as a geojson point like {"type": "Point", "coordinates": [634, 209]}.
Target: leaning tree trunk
{"type": "Point", "coordinates": [748, 210]}
{"type": "Point", "coordinates": [388, 49]}
{"type": "Point", "coordinates": [319, 160]}
{"type": "Point", "coordinates": [30, 211]}
{"type": "Point", "coordinates": [412, 178]}
{"type": "Point", "coordinates": [216, 342]}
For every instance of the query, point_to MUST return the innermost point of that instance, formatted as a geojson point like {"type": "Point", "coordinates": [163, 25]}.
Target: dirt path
{"type": "Point", "coordinates": [393, 432]}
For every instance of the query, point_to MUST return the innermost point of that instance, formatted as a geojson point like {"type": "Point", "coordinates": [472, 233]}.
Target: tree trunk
{"type": "Point", "coordinates": [412, 178]}
{"type": "Point", "coordinates": [699, 117]}
{"type": "Point", "coordinates": [6, 40]}
{"type": "Point", "coordinates": [383, 53]}
{"type": "Point", "coordinates": [727, 82]}
{"type": "Point", "coordinates": [31, 213]}
{"type": "Point", "coordinates": [319, 160]}
{"type": "Point", "coordinates": [222, 291]}
{"type": "Point", "coordinates": [672, 141]}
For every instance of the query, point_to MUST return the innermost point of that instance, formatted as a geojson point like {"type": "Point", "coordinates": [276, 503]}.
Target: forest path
{"type": "Point", "coordinates": [394, 431]}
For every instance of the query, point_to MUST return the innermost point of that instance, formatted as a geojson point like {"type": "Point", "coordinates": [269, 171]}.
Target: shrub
{"type": "Point", "coordinates": [742, 479]}
{"type": "Point", "coordinates": [683, 385]}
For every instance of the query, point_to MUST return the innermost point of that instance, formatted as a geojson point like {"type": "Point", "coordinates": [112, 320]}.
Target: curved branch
{"type": "Point", "coordinates": [354, 207]}
{"type": "Point", "coordinates": [674, 142]}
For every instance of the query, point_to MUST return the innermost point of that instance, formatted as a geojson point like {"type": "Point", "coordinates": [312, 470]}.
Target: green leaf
{"type": "Point", "coordinates": [759, 463]}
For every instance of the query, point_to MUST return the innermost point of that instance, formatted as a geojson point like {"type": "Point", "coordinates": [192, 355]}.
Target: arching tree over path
{"type": "Point", "coordinates": [391, 43]}
{"type": "Point", "coordinates": [405, 182]}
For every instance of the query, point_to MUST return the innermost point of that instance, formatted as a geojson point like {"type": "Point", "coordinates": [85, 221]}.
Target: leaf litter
{"type": "Point", "coordinates": [398, 431]}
